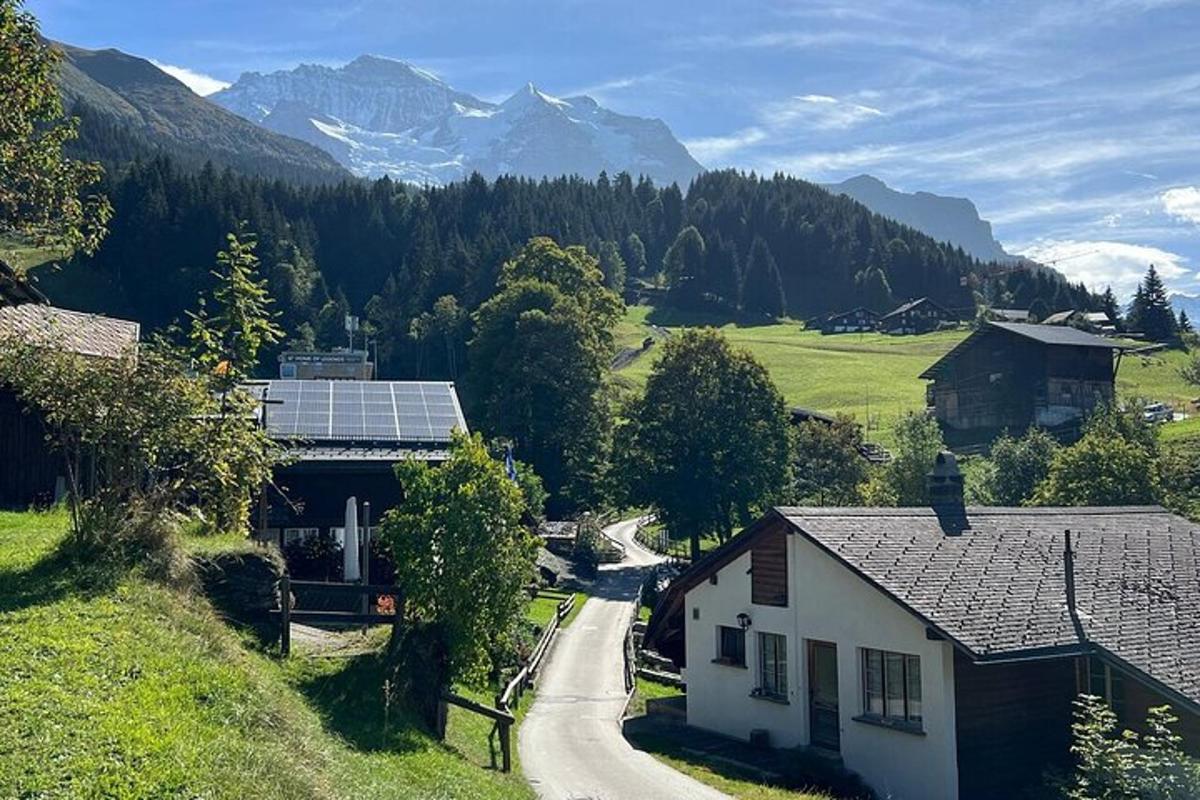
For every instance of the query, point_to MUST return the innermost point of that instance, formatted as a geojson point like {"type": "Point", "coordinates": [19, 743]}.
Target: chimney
{"type": "Point", "coordinates": [945, 484]}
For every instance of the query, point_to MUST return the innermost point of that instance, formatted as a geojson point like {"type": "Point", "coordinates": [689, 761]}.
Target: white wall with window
{"type": "Point", "coordinates": [893, 721]}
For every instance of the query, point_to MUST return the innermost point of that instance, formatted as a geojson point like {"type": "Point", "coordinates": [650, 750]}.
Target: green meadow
{"type": "Point", "coordinates": [870, 376]}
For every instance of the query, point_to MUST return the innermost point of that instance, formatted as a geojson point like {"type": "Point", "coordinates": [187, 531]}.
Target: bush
{"type": "Point", "coordinates": [1116, 764]}
{"type": "Point", "coordinates": [588, 544]}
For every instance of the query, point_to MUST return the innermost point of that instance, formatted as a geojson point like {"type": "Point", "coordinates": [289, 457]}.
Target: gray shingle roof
{"type": "Point", "coordinates": [998, 589]}
{"type": "Point", "coordinates": [73, 331]}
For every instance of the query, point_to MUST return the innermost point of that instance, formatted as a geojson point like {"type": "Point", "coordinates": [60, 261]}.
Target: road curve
{"type": "Point", "coordinates": [570, 743]}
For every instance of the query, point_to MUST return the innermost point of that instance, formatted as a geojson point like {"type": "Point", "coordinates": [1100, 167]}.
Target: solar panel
{"type": "Point", "coordinates": [372, 411]}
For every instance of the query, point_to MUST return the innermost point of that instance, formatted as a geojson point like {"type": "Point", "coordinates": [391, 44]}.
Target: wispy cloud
{"type": "Point", "coordinates": [198, 82]}
{"type": "Point", "coordinates": [1182, 203]}
{"type": "Point", "coordinates": [713, 150]}
{"type": "Point", "coordinates": [820, 111]}
{"type": "Point", "coordinates": [1117, 264]}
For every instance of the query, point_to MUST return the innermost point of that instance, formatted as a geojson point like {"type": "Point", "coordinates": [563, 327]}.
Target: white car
{"type": "Point", "coordinates": [1157, 412]}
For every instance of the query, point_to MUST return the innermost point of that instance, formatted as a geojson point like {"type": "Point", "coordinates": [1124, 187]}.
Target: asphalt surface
{"type": "Point", "coordinates": [570, 743]}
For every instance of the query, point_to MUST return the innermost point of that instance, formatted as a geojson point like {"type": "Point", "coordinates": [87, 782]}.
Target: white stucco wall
{"type": "Point", "coordinates": [826, 602]}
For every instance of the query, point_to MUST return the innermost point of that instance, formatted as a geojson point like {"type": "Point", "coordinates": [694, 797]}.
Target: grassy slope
{"type": "Point", "coordinates": [852, 373]}
{"type": "Point", "coordinates": [135, 691]}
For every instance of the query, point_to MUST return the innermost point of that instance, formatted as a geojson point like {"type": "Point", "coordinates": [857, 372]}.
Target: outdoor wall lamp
{"type": "Point", "coordinates": [743, 621]}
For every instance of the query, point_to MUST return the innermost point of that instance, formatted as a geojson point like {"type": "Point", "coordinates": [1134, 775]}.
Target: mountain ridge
{"type": "Point", "coordinates": [129, 108]}
{"type": "Point", "coordinates": [382, 116]}
{"type": "Point", "coordinates": [948, 219]}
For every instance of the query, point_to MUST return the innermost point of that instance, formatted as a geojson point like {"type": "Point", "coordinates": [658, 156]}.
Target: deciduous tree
{"type": "Point", "coordinates": [707, 444]}
{"type": "Point", "coordinates": [41, 190]}
{"type": "Point", "coordinates": [538, 368]}
{"type": "Point", "coordinates": [463, 558]}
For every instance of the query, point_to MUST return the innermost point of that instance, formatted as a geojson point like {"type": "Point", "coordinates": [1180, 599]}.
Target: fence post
{"type": "Point", "coordinates": [506, 746]}
{"type": "Point", "coordinates": [285, 615]}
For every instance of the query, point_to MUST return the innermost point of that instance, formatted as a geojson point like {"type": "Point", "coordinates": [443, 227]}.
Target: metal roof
{"type": "Point", "coordinates": [1052, 335]}
{"type": "Point", "coordinates": [1058, 335]}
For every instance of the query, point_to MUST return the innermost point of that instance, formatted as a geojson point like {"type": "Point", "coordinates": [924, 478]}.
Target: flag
{"type": "Point", "coordinates": [510, 466]}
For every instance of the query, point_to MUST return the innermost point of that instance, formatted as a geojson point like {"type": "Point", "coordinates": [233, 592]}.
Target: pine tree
{"type": "Point", "coordinates": [1185, 324]}
{"type": "Point", "coordinates": [1108, 304]}
{"type": "Point", "coordinates": [762, 288]}
{"type": "Point", "coordinates": [683, 266]}
{"type": "Point", "coordinates": [1151, 310]}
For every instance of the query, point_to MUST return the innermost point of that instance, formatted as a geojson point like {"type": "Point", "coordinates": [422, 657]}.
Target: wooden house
{"type": "Point", "coordinates": [342, 439]}
{"type": "Point", "coordinates": [916, 316]}
{"type": "Point", "coordinates": [30, 472]}
{"type": "Point", "coordinates": [856, 320]}
{"type": "Point", "coordinates": [1009, 375]}
{"type": "Point", "coordinates": [937, 651]}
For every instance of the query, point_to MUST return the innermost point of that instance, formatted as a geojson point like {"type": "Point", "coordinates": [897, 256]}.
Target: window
{"type": "Point", "coordinates": [1094, 677]}
{"type": "Point", "coordinates": [287, 371]}
{"type": "Point", "coordinates": [772, 666]}
{"type": "Point", "coordinates": [299, 534]}
{"type": "Point", "coordinates": [891, 686]}
{"type": "Point", "coordinates": [731, 646]}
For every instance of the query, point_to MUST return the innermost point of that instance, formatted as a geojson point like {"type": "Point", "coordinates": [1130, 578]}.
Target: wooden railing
{"type": "Point", "coordinates": [288, 615]}
{"type": "Point", "coordinates": [510, 698]}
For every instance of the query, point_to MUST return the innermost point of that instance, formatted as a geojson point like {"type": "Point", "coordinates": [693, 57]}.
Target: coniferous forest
{"type": "Point", "coordinates": [734, 244]}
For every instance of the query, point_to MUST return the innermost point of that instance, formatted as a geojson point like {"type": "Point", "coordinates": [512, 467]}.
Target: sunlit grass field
{"type": "Point", "coordinates": [870, 376]}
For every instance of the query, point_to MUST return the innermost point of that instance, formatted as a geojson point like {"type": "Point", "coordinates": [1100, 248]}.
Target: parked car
{"type": "Point", "coordinates": [1157, 412]}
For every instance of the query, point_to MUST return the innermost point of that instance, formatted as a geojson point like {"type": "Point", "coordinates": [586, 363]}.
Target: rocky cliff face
{"type": "Point", "coordinates": [947, 219]}
{"type": "Point", "coordinates": [379, 116]}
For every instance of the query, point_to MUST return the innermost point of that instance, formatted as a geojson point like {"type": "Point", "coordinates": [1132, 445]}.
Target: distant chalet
{"type": "Point", "coordinates": [857, 320]}
{"type": "Point", "coordinates": [1009, 375]}
{"type": "Point", "coordinates": [917, 316]}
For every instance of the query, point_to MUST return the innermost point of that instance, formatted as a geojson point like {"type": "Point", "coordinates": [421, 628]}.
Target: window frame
{"type": "Point", "coordinates": [879, 694]}
{"type": "Point", "coordinates": [772, 683]}
{"type": "Point", "coordinates": [736, 659]}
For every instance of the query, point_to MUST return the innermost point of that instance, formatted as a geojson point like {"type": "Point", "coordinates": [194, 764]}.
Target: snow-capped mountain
{"type": "Point", "coordinates": [379, 116]}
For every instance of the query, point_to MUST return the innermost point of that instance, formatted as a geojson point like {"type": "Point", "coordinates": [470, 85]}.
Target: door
{"type": "Point", "coordinates": [824, 729]}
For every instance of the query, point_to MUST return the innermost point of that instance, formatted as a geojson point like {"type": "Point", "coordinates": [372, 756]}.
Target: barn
{"type": "Point", "coordinates": [1010, 375]}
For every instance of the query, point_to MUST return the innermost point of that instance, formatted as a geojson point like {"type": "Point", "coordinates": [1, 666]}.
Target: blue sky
{"type": "Point", "coordinates": [1073, 125]}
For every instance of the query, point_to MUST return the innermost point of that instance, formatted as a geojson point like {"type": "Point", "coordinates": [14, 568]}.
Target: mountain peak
{"type": "Point", "coordinates": [389, 69]}
{"type": "Point", "coordinates": [380, 116]}
{"type": "Point", "coordinates": [530, 95]}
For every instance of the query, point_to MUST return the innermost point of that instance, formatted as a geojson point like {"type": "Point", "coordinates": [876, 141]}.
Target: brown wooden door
{"type": "Point", "coordinates": [824, 728]}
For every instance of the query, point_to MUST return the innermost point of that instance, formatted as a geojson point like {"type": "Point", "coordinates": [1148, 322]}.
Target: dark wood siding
{"type": "Point", "coordinates": [1013, 723]}
{"type": "Point", "coordinates": [28, 467]}
{"type": "Point", "coordinates": [768, 569]}
{"type": "Point", "coordinates": [1139, 699]}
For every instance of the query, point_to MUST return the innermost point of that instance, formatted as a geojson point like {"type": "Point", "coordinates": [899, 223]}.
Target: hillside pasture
{"type": "Point", "coordinates": [870, 376]}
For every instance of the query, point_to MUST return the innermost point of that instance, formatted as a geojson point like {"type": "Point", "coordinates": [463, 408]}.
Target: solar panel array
{"type": "Point", "coordinates": [374, 411]}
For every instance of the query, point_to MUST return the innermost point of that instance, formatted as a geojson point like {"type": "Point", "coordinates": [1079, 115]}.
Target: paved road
{"type": "Point", "coordinates": [570, 743]}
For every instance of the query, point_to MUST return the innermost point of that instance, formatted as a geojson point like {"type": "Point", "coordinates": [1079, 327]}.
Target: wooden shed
{"type": "Point", "coordinates": [30, 472]}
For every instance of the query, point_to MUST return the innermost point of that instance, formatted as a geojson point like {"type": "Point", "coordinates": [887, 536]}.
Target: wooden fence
{"type": "Point", "coordinates": [509, 699]}
{"type": "Point", "coordinates": [370, 615]}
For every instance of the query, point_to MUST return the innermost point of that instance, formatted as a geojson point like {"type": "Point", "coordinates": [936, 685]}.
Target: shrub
{"type": "Point", "coordinates": [1116, 764]}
